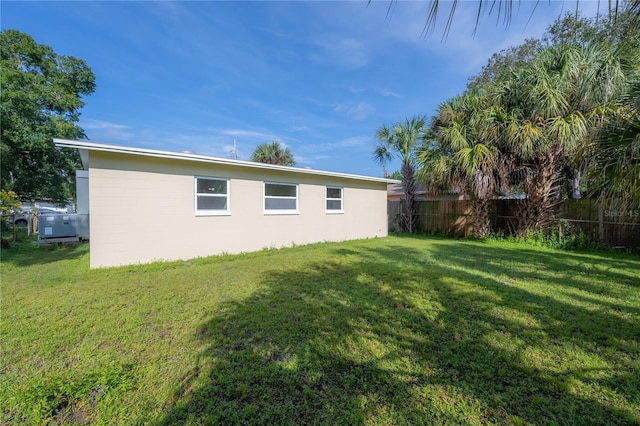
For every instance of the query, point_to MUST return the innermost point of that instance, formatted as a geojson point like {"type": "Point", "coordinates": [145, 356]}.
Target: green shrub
{"type": "Point", "coordinates": [563, 235]}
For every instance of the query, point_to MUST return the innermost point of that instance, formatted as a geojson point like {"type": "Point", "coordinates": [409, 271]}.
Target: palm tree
{"type": "Point", "coordinates": [273, 153]}
{"type": "Point", "coordinates": [465, 155]}
{"type": "Point", "coordinates": [403, 140]}
{"type": "Point", "coordinates": [616, 175]}
{"type": "Point", "coordinates": [616, 149]}
{"type": "Point", "coordinates": [553, 110]}
{"type": "Point", "coordinates": [542, 130]}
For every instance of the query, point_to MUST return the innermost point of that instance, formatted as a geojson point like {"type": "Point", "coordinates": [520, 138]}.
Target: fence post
{"type": "Point", "coordinates": [600, 219]}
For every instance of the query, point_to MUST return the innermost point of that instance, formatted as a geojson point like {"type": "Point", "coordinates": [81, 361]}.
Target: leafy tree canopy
{"type": "Point", "coordinates": [570, 29]}
{"type": "Point", "coordinates": [273, 153]}
{"type": "Point", "coordinates": [9, 203]}
{"type": "Point", "coordinates": [41, 98]}
{"type": "Point", "coordinates": [403, 140]}
{"type": "Point", "coordinates": [608, 95]}
{"type": "Point", "coordinates": [504, 62]}
{"type": "Point", "coordinates": [575, 29]}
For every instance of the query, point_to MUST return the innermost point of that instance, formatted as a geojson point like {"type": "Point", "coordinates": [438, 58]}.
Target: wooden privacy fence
{"type": "Point", "coordinates": [453, 217]}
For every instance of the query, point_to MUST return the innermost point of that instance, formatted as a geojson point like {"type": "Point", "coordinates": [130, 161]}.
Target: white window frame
{"type": "Point", "coordinates": [279, 211]}
{"type": "Point", "coordinates": [211, 212]}
{"type": "Point", "coordinates": [327, 199]}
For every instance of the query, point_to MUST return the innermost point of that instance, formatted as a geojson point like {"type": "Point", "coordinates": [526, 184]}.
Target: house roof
{"type": "Point", "coordinates": [85, 146]}
{"type": "Point", "coordinates": [398, 189]}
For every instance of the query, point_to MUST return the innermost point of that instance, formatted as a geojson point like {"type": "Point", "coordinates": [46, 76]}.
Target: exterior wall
{"type": "Point", "coordinates": [142, 210]}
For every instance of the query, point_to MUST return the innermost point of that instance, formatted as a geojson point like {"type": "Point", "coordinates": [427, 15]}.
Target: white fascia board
{"type": "Point", "coordinates": [94, 146]}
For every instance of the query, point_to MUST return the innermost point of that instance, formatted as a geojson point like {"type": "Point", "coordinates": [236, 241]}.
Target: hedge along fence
{"type": "Point", "coordinates": [618, 228]}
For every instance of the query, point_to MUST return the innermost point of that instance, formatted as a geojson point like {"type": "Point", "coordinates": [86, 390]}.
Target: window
{"type": "Point", "coordinates": [212, 196]}
{"type": "Point", "coordinates": [280, 198]}
{"type": "Point", "coordinates": [334, 199]}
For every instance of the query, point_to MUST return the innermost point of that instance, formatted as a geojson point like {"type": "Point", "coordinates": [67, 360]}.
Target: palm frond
{"type": "Point", "coordinates": [479, 157]}
{"type": "Point", "coordinates": [524, 138]}
{"type": "Point", "coordinates": [402, 139]}
{"type": "Point", "coordinates": [381, 154]}
{"type": "Point", "coordinates": [568, 132]}
{"type": "Point", "coordinates": [273, 153]}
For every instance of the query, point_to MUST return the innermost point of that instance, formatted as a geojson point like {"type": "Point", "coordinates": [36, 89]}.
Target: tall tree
{"type": "Point", "coordinates": [576, 29]}
{"type": "Point", "coordinates": [553, 109]}
{"type": "Point", "coordinates": [466, 155]}
{"type": "Point", "coordinates": [562, 106]}
{"type": "Point", "coordinates": [594, 34]}
{"type": "Point", "coordinates": [273, 153]}
{"type": "Point", "coordinates": [504, 62]}
{"type": "Point", "coordinates": [571, 29]}
{"type": "Point", "coordinates": [610, 157]}
{"type": "Point", "coordinates": [402, 140]}
{"type": "Point", "coordinates": [41, 99]}
{"type": "Point", "coordinates": [615, 153]}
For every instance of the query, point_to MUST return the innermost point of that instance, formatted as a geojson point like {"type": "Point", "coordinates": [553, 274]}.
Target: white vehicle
{"type": "Point", "coordinates": [23, 218]}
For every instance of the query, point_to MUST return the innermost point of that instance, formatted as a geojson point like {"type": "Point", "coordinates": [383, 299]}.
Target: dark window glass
{"type": "Point", "coordinates": [334, 205]}
{"type": "Point", "coordinates": [211, 186]}
{"type": "Point", "coordinates": [334, 192]}
{"type": "Point", "coordinates": [275, 190]}
{"type": "Point", "coordinates": [212, 203]}
{"type": "Point", "coordinates": [280, 203]}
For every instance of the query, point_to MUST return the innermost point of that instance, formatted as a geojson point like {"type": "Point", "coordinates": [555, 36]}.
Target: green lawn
{"type": "Point", "coordinates": [399, 330]}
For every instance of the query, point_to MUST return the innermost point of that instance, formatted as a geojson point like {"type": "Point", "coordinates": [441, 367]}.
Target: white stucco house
{"type": "Point", "coordinates": [146, 205]}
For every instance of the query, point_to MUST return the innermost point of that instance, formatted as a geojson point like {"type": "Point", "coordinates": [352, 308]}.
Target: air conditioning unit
{"type": "Point", "coordinates": [57, 228]}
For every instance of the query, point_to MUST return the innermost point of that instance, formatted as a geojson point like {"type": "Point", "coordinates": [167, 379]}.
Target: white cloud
{"type": "Point", "coordinates": [347, 52]}
{"type": "Point", "coordinates": [250, 134]}
{"type": "Point", "coordinates": [387, 93]}
{"type": "Point", "coordinates": [297, 128]}
{"type": "Point", "coordinates": [91, 123]}
{"type": "Point", "coordinates": [304, 160]}
{"type": "Point", "coordinates": [106, 131]}
{"type": "Point", "coordinates": [380, 91]}
{"type": "Point", "coordinates": [462, 51]}
{"type": "Point", "coordinates": [350, 142]}
{"type": "Point", "coordinates": [357, 111]}
{"type": "Point", "coordinates": [329, 154]}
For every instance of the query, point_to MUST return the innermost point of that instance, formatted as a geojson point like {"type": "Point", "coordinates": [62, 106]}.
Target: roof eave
{"type": "Point", "coordinates": [93, 146]}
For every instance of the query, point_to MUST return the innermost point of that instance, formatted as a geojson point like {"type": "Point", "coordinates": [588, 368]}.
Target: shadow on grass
{"type": "Point", "coordinates": [28, 253]}
{"type": "Point", "coordinates": [397, 335]}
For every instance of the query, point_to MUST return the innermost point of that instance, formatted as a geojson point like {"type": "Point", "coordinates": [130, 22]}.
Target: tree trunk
{"type": "Point", "coordinates": [409, 185]}
{"type": "Point", "coordinates": [481, 220]}
{"type": "Point", "coordinates": [576, 185]}
{"type": "Point", "coordinates": [538, 210]}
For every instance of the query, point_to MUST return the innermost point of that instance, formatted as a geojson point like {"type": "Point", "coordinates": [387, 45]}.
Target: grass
{"type": "Point", "coordinates": [401, 330]}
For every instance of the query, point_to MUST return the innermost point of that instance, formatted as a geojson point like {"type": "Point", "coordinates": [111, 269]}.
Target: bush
{"type": "Point", "coordinates": [563, 235]}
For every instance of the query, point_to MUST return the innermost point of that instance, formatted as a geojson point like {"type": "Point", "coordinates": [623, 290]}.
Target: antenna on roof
{"type": "Point", "coordinates": [235, 149]}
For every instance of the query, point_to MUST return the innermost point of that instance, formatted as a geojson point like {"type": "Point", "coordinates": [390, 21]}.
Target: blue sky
{"type": "Point", "coordinates": [319, 77]}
